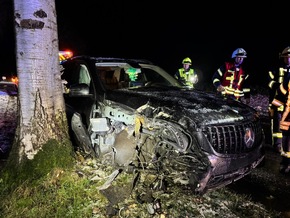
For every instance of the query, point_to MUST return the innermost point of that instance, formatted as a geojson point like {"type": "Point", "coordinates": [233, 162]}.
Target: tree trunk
{"type": "Point", "coordinates": [41, 103]}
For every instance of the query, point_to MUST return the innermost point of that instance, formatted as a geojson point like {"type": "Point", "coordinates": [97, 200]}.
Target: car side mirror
{"type": "Point", "coordinates": [81, 89]}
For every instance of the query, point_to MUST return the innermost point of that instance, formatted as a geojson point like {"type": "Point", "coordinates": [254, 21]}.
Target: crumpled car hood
{"type": "Point", "coordinates": [206, 108]}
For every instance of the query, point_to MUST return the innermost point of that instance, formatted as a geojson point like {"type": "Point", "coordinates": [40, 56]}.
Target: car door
{"type": "Point", "coordinates": [78, 91]}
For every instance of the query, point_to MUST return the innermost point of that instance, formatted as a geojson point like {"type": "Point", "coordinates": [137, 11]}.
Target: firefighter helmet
{"type": "Point", "coordinates": [186, 61]}
{"type": "Point", "coordinates": [239, 52]}
{"type": "Point", "coordinates": [285, 52]}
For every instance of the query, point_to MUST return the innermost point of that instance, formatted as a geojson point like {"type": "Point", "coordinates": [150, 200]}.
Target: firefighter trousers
{"type": "Point", "coordinates": [285, 153]}
{"type": "Point", "coordinates": [275, 129]}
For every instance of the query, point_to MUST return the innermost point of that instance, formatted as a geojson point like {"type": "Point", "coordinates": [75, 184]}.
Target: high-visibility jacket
{"type": "Point", "coordinates": [188, 77]}
{"type": "Point", "coordinates": [233, 79]}
{"type": "Point", "coordinates": [282, 97]}
{"type": "Point", "coordinates": [275, 79]}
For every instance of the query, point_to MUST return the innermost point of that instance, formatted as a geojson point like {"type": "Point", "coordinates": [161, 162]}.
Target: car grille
{"type": "Point", "coordinates": [229, 139]}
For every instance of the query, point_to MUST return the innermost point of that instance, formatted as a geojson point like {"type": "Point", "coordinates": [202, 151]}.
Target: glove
{"type": "Point", "coordinates": [220, 88]}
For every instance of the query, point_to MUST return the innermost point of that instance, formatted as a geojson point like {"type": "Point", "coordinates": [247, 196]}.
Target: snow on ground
{"type": "Point", "coordinates": [8, 118]}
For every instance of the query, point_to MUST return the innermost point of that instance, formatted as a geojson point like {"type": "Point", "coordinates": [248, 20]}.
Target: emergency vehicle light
{"type": "Point", "coordinates": [63, 55]}
{"type": "Point", "coordinates": [14, 79]}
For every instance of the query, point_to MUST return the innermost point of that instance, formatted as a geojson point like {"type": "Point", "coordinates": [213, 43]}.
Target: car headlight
{"type": "Point", "coordinates": [175, 136]}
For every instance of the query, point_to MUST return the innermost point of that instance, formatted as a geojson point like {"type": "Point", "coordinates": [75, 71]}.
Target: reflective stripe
{"type": "Point", "coordinates": [277, 135]}
{"type": "Point", "coordinates": [285, 154]}
{"type": "Point", "coordinates": [277, 103]}
{"type": "Point", "coordinates": [216, 80]}
{"type": "Point", "coordinates": [284, 125]}
{"type": "Point", "coordinates": [282, 89]}
{"type": "Point", "coordinates": [271, 75]}
{"type": "Point", "coordinates": [281, 71]}
{"type": "Point", "coordinates": [271, 84]}
{"type": "Point", "coordinates": [220, 72]}
{"type": "Point", "coordinates": [281, 108]}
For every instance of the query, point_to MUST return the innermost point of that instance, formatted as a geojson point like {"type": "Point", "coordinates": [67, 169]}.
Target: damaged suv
{"type": "Point", "coordinates": [133, 115]}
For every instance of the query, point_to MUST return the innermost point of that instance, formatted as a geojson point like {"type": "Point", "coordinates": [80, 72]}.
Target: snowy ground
{"type": "Point", "coordinates": [8, 118]}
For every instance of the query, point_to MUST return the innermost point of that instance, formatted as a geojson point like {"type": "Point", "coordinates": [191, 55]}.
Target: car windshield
{"type": "Point", "coordinates": [121, 76]}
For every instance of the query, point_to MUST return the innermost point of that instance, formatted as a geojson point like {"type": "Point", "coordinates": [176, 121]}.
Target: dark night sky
{"type": "Point", "coordinates": [168, 32]}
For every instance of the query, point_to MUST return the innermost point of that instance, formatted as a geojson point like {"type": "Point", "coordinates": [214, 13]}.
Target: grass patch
{"type": "Point", "coordinates": [76, 192]}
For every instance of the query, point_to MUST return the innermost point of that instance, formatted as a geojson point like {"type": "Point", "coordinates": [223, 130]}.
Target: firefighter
{"type": "Point", "coordinates": [186, 75]}
{"type": "Point", "coordinates": [230, 79]}
{"type": "Point", "coordinates": [275, 79]}
{"type": "Point", "coordinates": [282, 98]}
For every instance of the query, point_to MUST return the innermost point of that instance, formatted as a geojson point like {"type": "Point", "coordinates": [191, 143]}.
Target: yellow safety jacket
{"type": "Point", "coordinates": [189, 77]}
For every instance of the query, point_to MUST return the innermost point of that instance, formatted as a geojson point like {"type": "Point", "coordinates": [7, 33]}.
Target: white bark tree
{"type": "Point", "coordinates": [41, 103]}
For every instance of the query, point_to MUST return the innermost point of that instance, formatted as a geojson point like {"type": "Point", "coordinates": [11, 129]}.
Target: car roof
{"type": "Point", "coordinates": [8, 83]}
{"type": "Point", "coordinates": [112, 60]}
